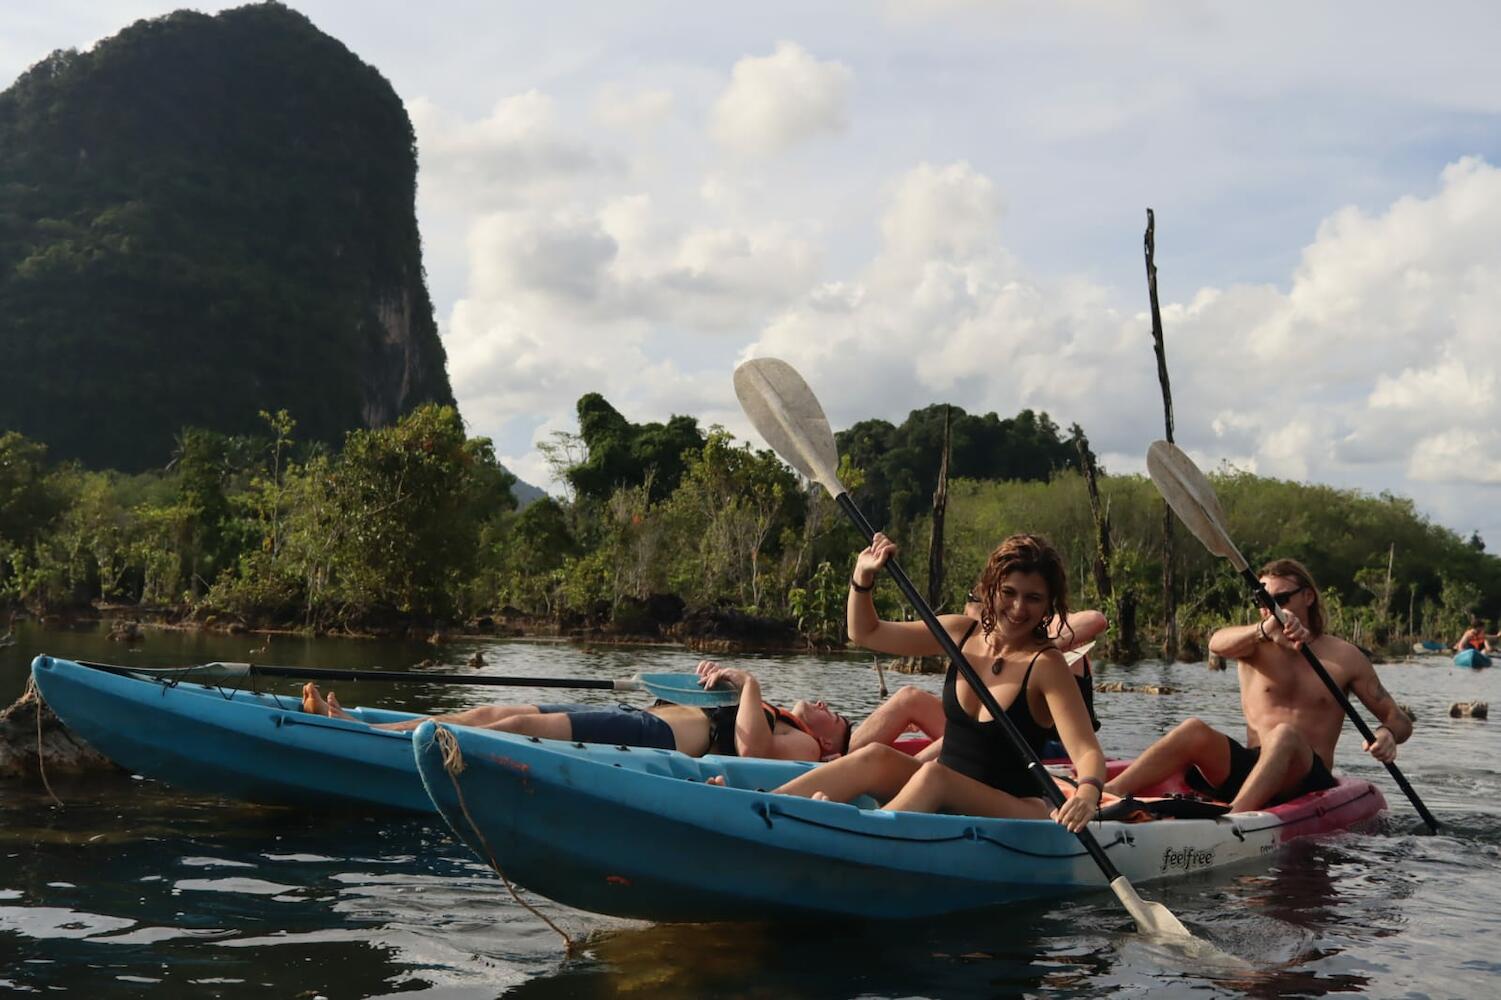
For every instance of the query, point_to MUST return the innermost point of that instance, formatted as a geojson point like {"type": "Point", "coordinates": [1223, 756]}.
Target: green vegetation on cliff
{"type": "Point", "coordinates": [201, 218]}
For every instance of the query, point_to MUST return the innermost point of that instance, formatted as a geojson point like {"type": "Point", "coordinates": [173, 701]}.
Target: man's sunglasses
{"type": "Point", "coordinates": [1284, 597]}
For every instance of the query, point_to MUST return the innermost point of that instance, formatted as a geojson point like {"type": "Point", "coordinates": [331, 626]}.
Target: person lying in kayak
{"type": "Point", "coordinates": [1292, 724]}
{"type": "Point", "coordinates": [810, 730]}
{"type": "Point", "coordinates": [1022, 591]}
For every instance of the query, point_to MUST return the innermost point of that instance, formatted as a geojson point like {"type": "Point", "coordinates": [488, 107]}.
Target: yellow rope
{"type": "Point", "coordinates": [41, 762]}
{"type": "Point", "coordinates": [453, 763]}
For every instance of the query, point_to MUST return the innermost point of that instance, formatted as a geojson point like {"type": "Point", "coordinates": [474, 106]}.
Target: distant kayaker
{"type": "Point", "coordinates": [1023, 590]}
{"type": "Point", "coordinates": [810, 730]}
{"type": "Point", "coordinates": [1474, 638]}
{"type": "Point", "coordinates": [1292, 723]}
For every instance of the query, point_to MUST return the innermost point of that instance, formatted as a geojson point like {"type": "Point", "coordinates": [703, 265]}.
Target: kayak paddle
{"type": "Point", "coordinates": [787, 414]}
{"type": "Point", "coordinates": [1191, 496]}
{"type": "Point", "coordinates": [680, 689]}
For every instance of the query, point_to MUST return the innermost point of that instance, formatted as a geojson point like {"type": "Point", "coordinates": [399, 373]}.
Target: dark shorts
{"type": "Point", "coordinates": [1242, 760]}
{"type": "Point", "coordinates": [620, 725]}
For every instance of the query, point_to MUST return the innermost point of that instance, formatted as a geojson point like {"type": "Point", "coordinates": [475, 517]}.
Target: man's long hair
{"type": "Point", "coordinates": [1294, 570]}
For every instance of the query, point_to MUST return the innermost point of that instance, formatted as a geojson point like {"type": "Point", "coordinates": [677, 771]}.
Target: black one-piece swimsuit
{"type": "Point", "coordinates": [980, 750]}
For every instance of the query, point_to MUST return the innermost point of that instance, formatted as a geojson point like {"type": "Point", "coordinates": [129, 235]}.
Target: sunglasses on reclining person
{"type": "Point", "coordinates": [1283, 597]}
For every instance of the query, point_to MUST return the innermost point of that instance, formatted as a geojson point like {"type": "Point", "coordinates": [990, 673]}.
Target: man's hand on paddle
{"type": "Point", "coordinates": [1289, 634]}
{"type": "Point", "coordinates": [711, 674]}
{"type": "Point", "coordinates": [1384, 747]}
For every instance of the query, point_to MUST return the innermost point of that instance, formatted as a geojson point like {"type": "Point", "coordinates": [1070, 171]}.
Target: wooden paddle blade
{"type": "Point", "coordinates": [788, 417]}
{"type": "Point", "coordinates": [1189, 493]}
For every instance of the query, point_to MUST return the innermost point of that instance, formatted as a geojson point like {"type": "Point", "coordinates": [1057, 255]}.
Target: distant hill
{"type": "Point", "coordinates": [201, 218]}
{"type": "Point", "coordinates": [525, 493]}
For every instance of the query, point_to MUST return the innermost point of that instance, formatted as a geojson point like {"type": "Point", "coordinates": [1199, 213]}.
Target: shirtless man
{"type": "Point", "coordinates": [1292, 722]}
{"type": "Point", "coordinates": [810, 730]}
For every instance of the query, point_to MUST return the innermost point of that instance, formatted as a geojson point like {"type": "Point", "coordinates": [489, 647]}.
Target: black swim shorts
{"type": "Point", "coordinates": [1242, 760]}
{"type": "Point", "coordinates": [618, 725]}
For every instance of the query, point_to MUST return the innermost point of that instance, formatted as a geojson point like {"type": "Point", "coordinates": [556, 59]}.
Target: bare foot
{"type": "Point", "coordinates": [717, 780]}
{"type": "Point", "coordinates": [314, 703]}
{"type": "Point", "coordinates": [820, 797]}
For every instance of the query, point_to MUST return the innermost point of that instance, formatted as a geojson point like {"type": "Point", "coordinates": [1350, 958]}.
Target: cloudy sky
{"type": "Point", "coordinates": [937, 200]}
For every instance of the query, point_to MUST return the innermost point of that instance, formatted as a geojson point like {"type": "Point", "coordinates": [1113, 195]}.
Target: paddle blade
{"type": "Point", "coordinates": [1158, 921]}
{"type": "Point", "coordinates": [1190, 495]}
{"type": "Point", "coordinates": [684, 689]}
{"type": "Point", "coordinates": [1078, 653]}
{"type": "Point", "coordinates": [787, 415]}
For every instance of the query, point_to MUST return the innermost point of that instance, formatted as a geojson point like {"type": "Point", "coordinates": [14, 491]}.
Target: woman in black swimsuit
{"type": "Point", "coordinates": [1024, 588]}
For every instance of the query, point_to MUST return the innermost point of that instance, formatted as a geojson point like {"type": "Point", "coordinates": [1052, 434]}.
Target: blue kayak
{"type": "Point", "coordinates": [244, 745]}
{"type": "Point", "coordinates": [1474, 659]}
{"type": "Point", "coordinates": [639, 833]}
{"type": "Point", "coordinates": [261, 747]}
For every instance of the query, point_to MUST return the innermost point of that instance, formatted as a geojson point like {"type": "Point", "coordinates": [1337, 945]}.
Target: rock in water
{"type": "Point", "coordinates": [60, 751]}
{"type": "Point", "coordinates": [1470, 710]}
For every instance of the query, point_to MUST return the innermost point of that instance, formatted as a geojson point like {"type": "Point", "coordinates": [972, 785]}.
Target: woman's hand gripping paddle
{"type": "Point", "coordinates": [1188, 491]}
{"type": "Point", "coordinates": [790, 419]}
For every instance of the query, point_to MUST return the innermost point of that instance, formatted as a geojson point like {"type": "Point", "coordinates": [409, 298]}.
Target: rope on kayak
{"type": "Point", "coordinates": [453, 763]}
{"type": "Point", "coordinates": [41, 759]}
{"type": "Point", "coordinates": [969, 834]}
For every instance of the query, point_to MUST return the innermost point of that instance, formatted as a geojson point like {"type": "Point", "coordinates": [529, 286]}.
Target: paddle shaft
{"type": "Point", "coordinates": [1034, 766]}
{"type": "Point", "coordinates": [408, 676]}
{"type": "Point", "coordinates": [1360, 725]}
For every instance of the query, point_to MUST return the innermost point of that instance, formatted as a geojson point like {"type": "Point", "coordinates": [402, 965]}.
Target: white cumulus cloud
{"type": "Point", "coordinates": [776, 101]}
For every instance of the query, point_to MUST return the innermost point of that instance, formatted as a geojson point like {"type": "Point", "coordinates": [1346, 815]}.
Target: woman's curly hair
{"type": "Point", "coordinates": [1024, 554]}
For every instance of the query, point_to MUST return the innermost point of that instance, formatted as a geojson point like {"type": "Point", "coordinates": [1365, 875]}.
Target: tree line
{"type": "Point", "coordinates": [415, 524]}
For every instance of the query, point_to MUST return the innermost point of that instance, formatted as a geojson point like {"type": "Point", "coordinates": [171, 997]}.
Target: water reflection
{"type": "Point", "coordinates": [133, 883]}
{"type": "Point", "coordinates": [1004, 953]}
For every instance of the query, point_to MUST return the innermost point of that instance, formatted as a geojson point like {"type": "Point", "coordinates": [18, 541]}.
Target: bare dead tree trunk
{"type": "Point", "coordinates": [940, 506]}
{"type": "Point", "coordinates": [1124, 650]}
{"type": "Point", "coordinates": [1169, 590]}
{"type": "Point", "coordinates": [1101, 517]}
{"type": "Point", "coordinates": [1386, 591]}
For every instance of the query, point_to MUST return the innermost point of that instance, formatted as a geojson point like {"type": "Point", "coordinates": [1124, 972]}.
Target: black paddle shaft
{"type": "Point", "coordinates": [1365, 731]}
{"type": "Point", "coordinates": [396, 676]}
{"type": "Point", "coordinates": [1034, 766]}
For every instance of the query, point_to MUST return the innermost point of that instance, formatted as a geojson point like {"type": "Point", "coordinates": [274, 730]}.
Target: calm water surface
{"type": "Point", "coordinates": [133, 887]}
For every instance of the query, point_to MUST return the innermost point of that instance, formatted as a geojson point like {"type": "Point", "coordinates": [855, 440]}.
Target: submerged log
{"type": "Point", "coordinates": [57, 751]}
{"type": "Point", "coordinates": [1117, 687]}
